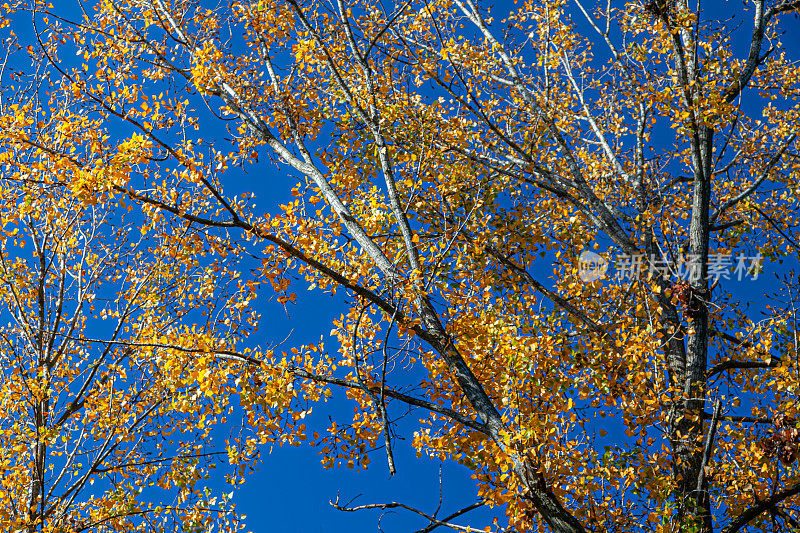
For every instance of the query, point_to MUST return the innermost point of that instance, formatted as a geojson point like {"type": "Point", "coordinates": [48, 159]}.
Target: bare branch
{"type": "Point", "coordinates": [434, 522]}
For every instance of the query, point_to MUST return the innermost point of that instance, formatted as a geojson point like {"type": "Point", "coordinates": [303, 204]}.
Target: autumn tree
{"type": "Point", "coordinates": [456, 161]}
{"type": "Point", "coordinates": [109, 389]}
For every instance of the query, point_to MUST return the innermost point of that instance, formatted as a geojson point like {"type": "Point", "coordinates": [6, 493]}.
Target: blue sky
{"type": "Point", "coordinates": [291, 490]}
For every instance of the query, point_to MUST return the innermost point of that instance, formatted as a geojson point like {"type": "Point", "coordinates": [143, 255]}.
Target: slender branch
{"type": "Point", "coordinates": [740, 365]}
{"type": "Point", "coordinates": [764, 505]}
{"type": "Point", "coordinates": [458, 513]}
{"type": "Point", "coordinates": [775, 225]}
{"type": "Point", "coordinates": [712, 431]}
{"type": "Point", "coordinates": [739, 419]}
{"type": "Point", "coordinates": [757, 183]}
{"type": "Point", "coordinates": [551, 295]}
{"type": "Point", "coordinates": [304, 374]}
{"type": "Point", "coordinates": [375, 389]}
{"type": "Point", "coordinates": [395, 505]}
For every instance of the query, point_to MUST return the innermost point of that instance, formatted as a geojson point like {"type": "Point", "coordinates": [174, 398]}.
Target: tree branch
{"type": "Point", "coordinates": [740, 365]}
{"type": "Point", "coordinates": [764, 505]}
{"type": "Point", "coordinates": [434, 522]}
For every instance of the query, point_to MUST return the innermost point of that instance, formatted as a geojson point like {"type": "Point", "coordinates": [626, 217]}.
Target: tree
{"type": "Point", "coordinates": [448, 156]}
{"type": "Point", "coordinates": [108, 389]}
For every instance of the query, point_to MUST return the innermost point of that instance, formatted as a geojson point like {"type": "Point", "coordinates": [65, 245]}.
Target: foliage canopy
{"type": "Point", "coordinates": [453, 162]}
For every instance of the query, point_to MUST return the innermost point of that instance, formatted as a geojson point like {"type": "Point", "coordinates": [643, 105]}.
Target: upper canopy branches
{"type": "Point", "coordinates": [456, 169]}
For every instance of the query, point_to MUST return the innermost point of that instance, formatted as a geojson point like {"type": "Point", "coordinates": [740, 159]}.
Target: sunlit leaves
{"type": "Point", "coordinates": [479, 152]}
